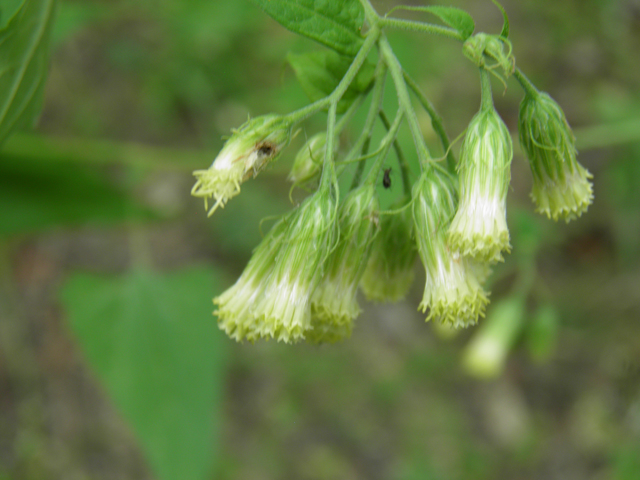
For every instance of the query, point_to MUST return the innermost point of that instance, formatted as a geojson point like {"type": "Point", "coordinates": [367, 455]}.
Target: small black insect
{"type": "Point", "coordinates": [386, 180]}
{"type": "Point", "coordinates": [265, 150]}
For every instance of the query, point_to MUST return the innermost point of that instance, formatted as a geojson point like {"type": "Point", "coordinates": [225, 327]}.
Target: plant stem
{"type": "Point", "coordinates": [526, 84]}
{"type": "Point", "coordinates": [436, 121]}
{"type": "Point", "coordinates": [362, 143]}
{"type": "Point", "coordinates": [420, 27]}
{"type": "Point", "coordinates": [335, 96]}
{"type": "Point", "coordinates": [404, 100]}
{"type": "Point", "coordinates": [385, 145]}
{"type": "Point", "coordinates": [402, 161]}
{"type": "Point", "coordinates": [328, 169]}
{"type": "Point", "coordinates": [486, 102]}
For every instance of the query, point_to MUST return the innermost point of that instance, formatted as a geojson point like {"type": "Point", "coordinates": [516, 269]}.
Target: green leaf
{"type": "Point", "coordinates": [24, 57]}
{"type": "Point", "coordinates": [35, 196]}
{"type": "Point", "coordinates": [456, 18]}
{"type": "Point", "coordinates": [320, 72]}
{"type": "Point", "coordinates": [152, 340]}
{"type": "Point", "coordinates": [8, 11]}
{"type": "Point", "coordinates": [505, 25]}
{"type": "Point", "coordinates": [331, 23]}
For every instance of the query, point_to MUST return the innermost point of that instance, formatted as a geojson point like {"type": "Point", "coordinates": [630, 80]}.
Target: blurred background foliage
{"type": "Point", "coordinates": [110, 362]}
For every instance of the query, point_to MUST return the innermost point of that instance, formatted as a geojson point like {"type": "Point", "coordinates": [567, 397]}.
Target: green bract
{"type": "Point", "coordinates": [334, 304]}
{"type": "Point", "coordinates": [495, 47]}
{"type": "Point", "coordinates": [452, 293]}
{"type": "Point", "coordinates": [479, 228]}
{"type": "Point", "coordinates": [391, 266]}
{"type": "Point", "coordinates": [249, 150]}
{"type": "Point", "coordinates": [561, 186]}
{"type": "Point", "coordinates": [308, 161]}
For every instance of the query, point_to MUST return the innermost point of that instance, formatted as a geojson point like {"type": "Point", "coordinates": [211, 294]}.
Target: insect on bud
{"type": "Point", "coordinates": [561, 186]}
{"type": "Point", "coordinates": [452, 293]}
{"type": "Point", "coordinates": [249, 150]}
{"type": "Point", "coordinates": [334, 304]}
{"type": "Point", "coordinates": [479, 228]}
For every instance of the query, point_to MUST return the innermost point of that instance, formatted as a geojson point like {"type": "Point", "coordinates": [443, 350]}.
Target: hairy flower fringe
{"type": "Point", "coordinates": [272, 298]}
{"type": "Point", "coordinates": [334, 303]}
{"type": "Point", "coordinates": [479, 228]}
{"type": "Point", "coordinates": [561, 186]}
{"type": "Point", "coordinates": [390, 270]}
{"type": "Point", "coordinates": [249, 150]}
{"type": "Point", "coordinates": [452, 293]}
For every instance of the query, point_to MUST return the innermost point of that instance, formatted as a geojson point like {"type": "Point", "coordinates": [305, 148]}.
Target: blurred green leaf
{"type": "Point", "coordinates": [320, 72]}
{"type": "Point", "coordinates": [334, 24]}
{"type": "Point", "coordinates": [542, 332]}
{"type": "Point", "coordinates": [36, 196]}
{"type": "Point", "coordinates": [152, 340]}
{"type": "Point", "coordinates": [8, 11]}
{"type": "Point", "coordinates": [24, 57]}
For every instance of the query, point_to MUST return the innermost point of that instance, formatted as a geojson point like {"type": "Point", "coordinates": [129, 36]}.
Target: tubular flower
{"type": "Point", "coordinates": [283, 310]}
{"type": "Point", "coordinates": [334, 304]}
{"type": "Point", "coordinates": [308, 161]}
{"type": "Point", "coordinates": [452, 292]}
{"type": "Point", "coordinates": [249, 150]}
{"type": "Point", "coordinates": [390, 270]}
{"type": "Point", "coordinates": [479, 228]}
{"type": "Point", "coordinates": [235, 312]}
{"type": "Point", "coordinates": [561, 186]}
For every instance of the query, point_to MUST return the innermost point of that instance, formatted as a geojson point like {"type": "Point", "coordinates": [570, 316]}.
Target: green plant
{"type": "Point", "coordinates": [459, 207]}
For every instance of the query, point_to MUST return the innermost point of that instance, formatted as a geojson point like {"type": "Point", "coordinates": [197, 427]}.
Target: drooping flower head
{"type": "Point", "coordinates": [308, 162]}
{"type": "Point", "coordinates": [283, 310]}
{"type": "Point", "coordinates": [334, 304]}
{"type": "Point", "coordinates": [452, 293]}
{"type": "Point", "coordinates": [272, 297]}
{"type": "Point", "coordinates": [250, 149]}
{"type": "Point", "coordinates": [561, 186]}
{"type": "Point", "coordinates": [391, 266]}
{"type": "Point", "coordinates": [479, 228]}
{"type": "Point", "coordinates": [235, 305]}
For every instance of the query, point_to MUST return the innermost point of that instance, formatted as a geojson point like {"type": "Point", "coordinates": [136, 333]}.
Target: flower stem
{"type": "Point", "coordinates": [436, 120]}
{"type": "Point", "coordinates": [526, 84]}
{"type": "Point", "coordinates": [404, 100]}
{"type": "Point", "coordinates": [385, 145]}
{"type": "Point", "coordinates": [402, 161]}
{"type": "Point", "coordinates": [485, 85]}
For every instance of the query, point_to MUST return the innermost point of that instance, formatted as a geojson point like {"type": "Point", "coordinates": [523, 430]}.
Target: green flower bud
{"type": "Point", "coordinates": [561, 186]}
{"type": "Point", "coordinates": [482, 45]}
{"type": "Point", "coordinates": [334, 304]}
{"type": "Point", "coordinates": [308, 162]}
{"type": "Point", "coordinates": [486, 354]}
{"type": "Point", "coordinates": [452, 292]}
{"type": "Point", "coordinates": [283, 311]}
{"type": "Point", "coordinates": [390, 270]}
{"type": "Point", "coordinates": [479, 228]}
{"type": "Point", "coordinates": [249, 150]}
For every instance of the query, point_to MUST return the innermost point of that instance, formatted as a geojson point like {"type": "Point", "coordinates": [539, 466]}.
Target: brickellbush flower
{"type": "Point", "coordinates": [250, 149]}
{"type": "Point", "coordinates": [391, 267]}
{"type": "Point", "coordinates": [561, 186]}
{"type": "Point", "coordinates": [452, 293]}
{"type": "Point", "coordinates": [479, 228]}
{"type": "Point", "coordinates": [308, 162]}
{"type": "Point", "coordinates": [334, 304]}
{"type": "Point", "coordinates": [275, 301]}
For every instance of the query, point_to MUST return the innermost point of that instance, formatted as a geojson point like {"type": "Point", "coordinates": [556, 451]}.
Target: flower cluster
{"type": "Point", "coordinates": [303, 279]}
